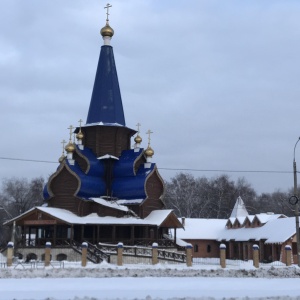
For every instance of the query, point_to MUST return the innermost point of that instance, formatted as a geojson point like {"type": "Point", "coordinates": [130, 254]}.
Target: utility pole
{"type": "Point", "coordinates": [296, 202]}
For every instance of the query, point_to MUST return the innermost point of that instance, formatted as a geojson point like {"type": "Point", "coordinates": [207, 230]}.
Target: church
{"type": "Point", "coordinates": [104, 189]}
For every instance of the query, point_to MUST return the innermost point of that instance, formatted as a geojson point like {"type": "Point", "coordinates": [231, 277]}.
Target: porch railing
{"type": "Point", "coordinates": [144, 252]}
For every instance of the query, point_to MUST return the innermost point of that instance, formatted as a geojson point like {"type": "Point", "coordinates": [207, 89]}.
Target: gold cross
{"type": "Point", "coordinates": [149, 138]}
{"type": "Point", "coordinates": [107, 11]}
{"type": "Point", "coordinates": [138, 126]}
{"type": "Point", "coordinates": [63, 142]}
{"type": "Point", "coordinates": [71, 129]}
{"type": "Point", "coordinates": [80, 121]}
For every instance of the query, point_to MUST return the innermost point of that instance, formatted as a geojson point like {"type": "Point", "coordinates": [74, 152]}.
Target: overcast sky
{"type": "Point", "coordinates": [216, 81]}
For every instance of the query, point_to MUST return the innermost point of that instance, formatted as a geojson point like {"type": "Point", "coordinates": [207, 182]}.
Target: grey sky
{"type": "Point", "coordinates": [216, 81]}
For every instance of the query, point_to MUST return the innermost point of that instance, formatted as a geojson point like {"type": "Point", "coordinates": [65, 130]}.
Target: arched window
{"type": "Point", "coordinates": [31, 256]}
{"type": "Point", "coordinates": [196, 248]}
{"type": "Point", "coordinates": [61, 257]}
{"type": "Point", "coordinates": [208, 248]}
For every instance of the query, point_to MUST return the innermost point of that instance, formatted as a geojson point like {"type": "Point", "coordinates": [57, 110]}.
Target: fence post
{"type": "Point", "coordinates": [255, 256]}
{"type": "Point", "coordinates": [154, 254]}
{"type": "Point", "coordinates": [189, 258]}
{"type": "Point", "coordinates": [47, 254]}
{"type": "Point", "coordinates": [288, 254]}
{"type": "Point", "coordinates": [84, 247]}
{"type": "Point", "coordinates": [120, 254]}
{"type": "Point", "coordinates": [10, 253]}
{"type": "Point", "coordinates": [223, 255]}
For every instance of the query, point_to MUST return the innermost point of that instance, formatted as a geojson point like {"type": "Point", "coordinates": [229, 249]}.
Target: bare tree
{"type": "Point", "coordinates": [16, 197]}
{"type": "Point", "coordinates": [205, 198]}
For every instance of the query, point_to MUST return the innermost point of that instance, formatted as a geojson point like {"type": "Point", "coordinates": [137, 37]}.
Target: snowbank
{"type": "Point", "coordinates": [106, 270]}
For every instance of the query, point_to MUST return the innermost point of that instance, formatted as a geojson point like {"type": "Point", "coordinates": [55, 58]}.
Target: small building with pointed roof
{"type": "Point", "coordinates": [271, 232]}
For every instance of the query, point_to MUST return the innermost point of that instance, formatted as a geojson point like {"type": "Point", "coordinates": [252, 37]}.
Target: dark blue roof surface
{"type": "Point", "coordinates": [106, 102]}
{"type": "Point", "coordinates": [90, 186]}
{"type": "Point", "coordinates": [125, 165]}
{"type": "Point", "coordinates": [131, 187]}
{"type": "Point", "coordinates": [96, 165]}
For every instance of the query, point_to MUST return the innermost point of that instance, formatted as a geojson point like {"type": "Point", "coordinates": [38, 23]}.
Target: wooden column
{"type": "Point", "coordinates": [94, 234]}
{"type": "Point", "coordinates": [255, 256]}
{"type": "Point", "coordinates": [189, 257]}
{"type": "Point", "coordinates": [154, 254]}
{"type": "Point", "coordinates": [47, 254]}
{"type": "Point", "coordinates": [72, 232]}
{"type": "Point", "coordinates": [120, 254]}
{"type": "Point", "coordinates": [54, 235]}
{"type": "Point", "coordinates": [175, 235]}
{"type": "Point", "coordinates": [114, 233]}
{"type": "Point", "coordinates": [132, 235]}
{"type": "Point", "coordinates": [29, 236]}
{"type": "Point", "coordinates": [84, 247]}
{"type": "Point", "coordinates": [288, 255]}
{"type": "Point", "coordinates": [98, 233]}
{"type": "Point", "coordinates": [10, 253]}
{"type": "Point", "coordinates": [223, 255]}
{"type": "Point", "coordinates": [82, 233]}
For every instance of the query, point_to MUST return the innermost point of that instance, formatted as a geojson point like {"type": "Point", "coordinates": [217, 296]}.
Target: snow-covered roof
{"type": "Point", "coordinates": [265, 217]}
{"type": "Point", "coordinates": [156, 217]}
{"type": "Point", "coordinates": [206, 229]}
{"type": "Point", "coordinates": [241, 220]}
{"type": "Point", "coordinates": [107, 156]}
{"type": "Point", "coordinates": [274, 231]}
{"type": "Point", "coordinates": [112, 204]}
{"type": "Point", "coordinates": [250, 218]}
{"type": "Point", "coordinates": [130, 201]}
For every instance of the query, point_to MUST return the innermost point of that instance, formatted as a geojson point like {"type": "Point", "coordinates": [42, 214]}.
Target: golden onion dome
{"type": "Point", "coordinates": [79, 135]}
{"type": "Point", "coordinates": [70, 147]}
{"type": "Point", "coordinates": [138, 139]}
{"type": "Point", "coordinates": [107, 31]}
{"type": "Point", "coordinates": [149, 151]}
{"type": "Point", "coordinates": [61, 159]}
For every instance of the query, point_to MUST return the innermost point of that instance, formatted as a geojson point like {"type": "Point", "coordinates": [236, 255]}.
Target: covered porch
{"type": "Point", "coordinates": [43, 224]}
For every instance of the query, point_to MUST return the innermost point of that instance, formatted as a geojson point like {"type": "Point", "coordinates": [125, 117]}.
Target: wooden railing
{"type": "Point", "coordinates": [144, 252]}
{"type": "Point", "coordinates": [94, 254]}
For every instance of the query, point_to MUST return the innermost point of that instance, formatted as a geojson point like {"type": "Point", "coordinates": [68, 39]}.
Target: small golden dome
{"type": "Point", "coordinates": [70, 147]}
{"type": "Point", "coordinates": [79, 135]}
{"type": "Point", "coordinates": [138, 139]}
{"type": "Point", "coordinates": [149, 152]}
{"type": "Point", "coordinates": [61, 159]}
{"type": "Point", "coordinates": [107, 31]}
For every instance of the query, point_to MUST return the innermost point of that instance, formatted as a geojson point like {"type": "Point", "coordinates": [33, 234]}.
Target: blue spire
{"type": "Point", "coordinates": [106, 103]}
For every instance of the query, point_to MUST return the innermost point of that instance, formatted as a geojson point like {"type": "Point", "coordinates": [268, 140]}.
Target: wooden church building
{"type": "Point", "coordinates": [104, 189]}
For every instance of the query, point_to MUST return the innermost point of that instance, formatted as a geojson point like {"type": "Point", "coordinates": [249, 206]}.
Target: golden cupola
{"type": "Point", "coordinates": [107, 32]}
{"type": "Point", "coordinates": [149, 152]}
{"type": "Point", "coordinates": [62, 157]}
{"type": "Point", "coordinates": [70, 147]}
{"type": "Point", "coordinates": [137, 139]}
{"type": "Point", "coordinates": [80, 136]}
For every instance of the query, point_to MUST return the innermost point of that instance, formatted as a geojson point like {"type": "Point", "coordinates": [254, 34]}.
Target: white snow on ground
{"type": "Point", "coordinates": [162, 281]}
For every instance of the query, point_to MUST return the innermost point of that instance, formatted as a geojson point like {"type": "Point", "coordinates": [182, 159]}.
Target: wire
{"type": "Point", "coordinates": [168, 169]}
{"type": "Point", "coordinates": [31, 160]}
{"type": "Point", "coordinates": [228, 171]}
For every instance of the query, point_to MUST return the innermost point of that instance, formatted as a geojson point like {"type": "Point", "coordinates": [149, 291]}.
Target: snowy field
{"type": "Point", "coordinates": [162, 281]}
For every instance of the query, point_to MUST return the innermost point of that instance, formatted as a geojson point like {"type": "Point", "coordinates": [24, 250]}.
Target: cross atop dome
{"type": "Point", "coordinates": [107, 32]}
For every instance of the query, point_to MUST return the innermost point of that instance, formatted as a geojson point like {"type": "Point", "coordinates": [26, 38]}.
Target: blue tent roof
{"type": "Point", "coordinates": [106, 102]}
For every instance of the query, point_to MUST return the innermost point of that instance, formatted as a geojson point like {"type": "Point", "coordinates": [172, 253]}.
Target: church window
{"type": "Point", "coordinates": [196, 249]}
{"type": "Point", "coordinates": [208, 248]}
